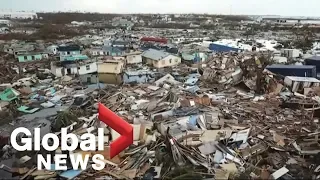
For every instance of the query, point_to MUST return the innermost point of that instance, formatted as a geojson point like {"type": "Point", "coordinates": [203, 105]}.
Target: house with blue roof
{"type": "Point", "coordinates": [160, 59]}
{"type": "Point", "coordinates": [71, 53]}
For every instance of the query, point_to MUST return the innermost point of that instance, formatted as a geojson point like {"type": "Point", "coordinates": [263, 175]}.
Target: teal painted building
{"type": "Point", "coordinates": [27, 57]}
{"type": "Point", "coordinates": [75, 57]}
{"type": "Point", "coordinates": [71, 53]}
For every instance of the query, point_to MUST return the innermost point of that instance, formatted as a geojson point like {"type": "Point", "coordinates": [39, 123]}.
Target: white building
{"type": "Point", "coordinates": [316, 49]}
{"type": "Point", "coordinates": [160, 59]}
{"type": "Point", "coordinates": [73, 69]}
{"type": "Point", "coordinates": [18, 15]}
{"type": "Point", "coordinates": [53, 49]}
{"type": "Point", "coordinates": [87, 72]}
{"type": "Point", "coordinates": [300, 83]}
{"type": "Point", "coordinates": [134, 58]}
{"type": "Point", "coordinates": [278, 58]}
{"type": "Point", "coordinates": [6, 22]}
{"type": "Point", "coordinates": [234, 44]}
{"type": "Point", "coordinates": [291, 53]}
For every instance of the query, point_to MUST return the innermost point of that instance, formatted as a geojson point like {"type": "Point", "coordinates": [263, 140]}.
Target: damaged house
{"type": "Point", "coordinates": [191, 58]}
{"type": "Point", "coordinates": [110, 71]}
{"type": "Point", "coordinates": [300, 83]}
{"type": "Point", "coordinates": [106, 51]}
{"type": "Point", "coordinates": [72, 63]}
{"type": "Point", "coordinates": [53, 49]}
{"type": "Point", "coordinates": [16, 48]}
{"type": "Point", "coordinates": [71, 53]}
{"type": "Point", "coordinates": [139, 77]}
{"type": "Point", "coordinates": [86, 70]}
{"type": "Point", "coordinates": [134, 57]}
{"type": "Point", "coordinates": [31, 56]}
{"type": "Point", "coordinates": [160, 59]}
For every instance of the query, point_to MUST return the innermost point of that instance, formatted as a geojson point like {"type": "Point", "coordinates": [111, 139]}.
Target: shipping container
{"type": "Point", "coordinates": [313, 61]}
{"type": "Point", "coordinates": [293, 70]}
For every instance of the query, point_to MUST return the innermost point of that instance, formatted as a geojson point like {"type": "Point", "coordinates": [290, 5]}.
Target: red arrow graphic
{"type": "Point", "coordinates": [119, 125]}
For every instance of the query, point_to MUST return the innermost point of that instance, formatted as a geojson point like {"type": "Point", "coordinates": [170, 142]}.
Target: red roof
{"type": "Point", "coordinates": [152, 39]}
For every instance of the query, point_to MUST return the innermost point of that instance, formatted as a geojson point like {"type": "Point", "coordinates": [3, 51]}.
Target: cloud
{"type": "Point", "coordinates": [258, 7]}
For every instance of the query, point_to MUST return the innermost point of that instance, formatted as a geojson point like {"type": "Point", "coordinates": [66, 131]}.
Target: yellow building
{"type": "Point", "coordinates": [110, 71]}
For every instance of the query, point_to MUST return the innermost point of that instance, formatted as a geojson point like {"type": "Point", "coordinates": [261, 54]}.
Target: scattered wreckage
{"type": "Point", "coordinates": [212, 124]}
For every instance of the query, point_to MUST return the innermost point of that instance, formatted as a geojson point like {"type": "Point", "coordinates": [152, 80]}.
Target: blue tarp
{"type": "Point", "coordinates": [71, 174]}
{"type": "Point", "coordinates": [193, 120]}
{"type": "Point", "coordinates": [222, 48]}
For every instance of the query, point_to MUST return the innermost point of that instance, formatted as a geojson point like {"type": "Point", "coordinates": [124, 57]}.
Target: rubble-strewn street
{"type": "Point", "coordinates": [199, 108]}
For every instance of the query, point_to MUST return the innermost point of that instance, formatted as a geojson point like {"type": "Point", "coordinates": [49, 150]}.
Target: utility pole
{"type": "Point", "coordinates": [98, 82]}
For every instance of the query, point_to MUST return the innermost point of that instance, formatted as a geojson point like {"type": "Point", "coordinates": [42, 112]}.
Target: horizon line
{"type": "Point", "coordinates": [149, 13]}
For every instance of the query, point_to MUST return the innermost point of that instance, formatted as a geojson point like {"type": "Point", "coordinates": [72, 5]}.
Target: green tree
{"type": "Point", "coordinates": [304, 38]}
{"type": "Point", "coordinates": [251, 31]}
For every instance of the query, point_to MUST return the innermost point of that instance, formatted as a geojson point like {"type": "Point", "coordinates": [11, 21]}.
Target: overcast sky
{"type": "Point", "coordinates": [251, 7]}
